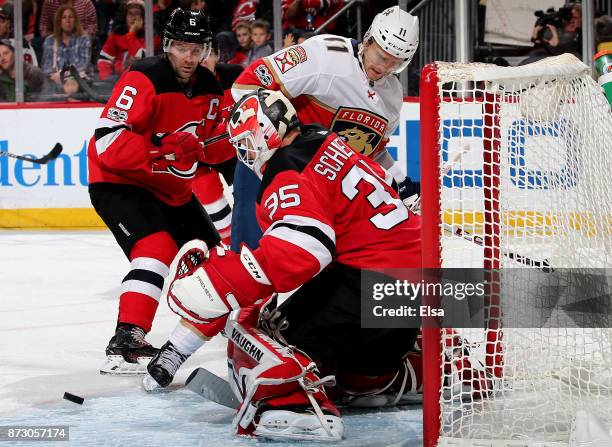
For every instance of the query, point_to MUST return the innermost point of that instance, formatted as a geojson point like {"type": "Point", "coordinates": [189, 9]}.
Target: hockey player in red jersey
{"type": "Point", "coordinates": [142, 160]}
{"type": "Point", "coordinates": [349, 88]}
{"type": "Point", "coordinates": [328, 215]}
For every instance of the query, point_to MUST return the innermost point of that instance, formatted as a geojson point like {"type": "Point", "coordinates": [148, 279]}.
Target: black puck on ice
{"type": "Point", "coordinates": [73, 398]}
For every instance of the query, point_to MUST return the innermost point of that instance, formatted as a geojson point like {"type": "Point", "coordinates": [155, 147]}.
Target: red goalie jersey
{"type": "Point", "coordinates": [320, 202]}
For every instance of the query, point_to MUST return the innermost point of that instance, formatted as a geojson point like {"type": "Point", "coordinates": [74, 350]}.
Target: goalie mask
{"type": "Point", "coordinates": [258, 123]}
{"type": "Point", "coordinates": [397, 33]}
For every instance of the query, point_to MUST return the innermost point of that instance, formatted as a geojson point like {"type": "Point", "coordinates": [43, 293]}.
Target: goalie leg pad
{"type": "Point", "coordinates": [269, 377]}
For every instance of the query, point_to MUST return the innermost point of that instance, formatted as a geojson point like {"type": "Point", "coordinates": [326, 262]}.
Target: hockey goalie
{"type": "Point", "coordinates": [328, 215]}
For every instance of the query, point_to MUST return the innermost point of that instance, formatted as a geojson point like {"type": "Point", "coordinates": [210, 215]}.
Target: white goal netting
{"type": "Point", "coordinates": [526, 160]}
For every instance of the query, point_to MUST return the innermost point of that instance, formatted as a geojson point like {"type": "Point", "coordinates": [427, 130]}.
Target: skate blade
{"type": "Point", "coordinates": [150, 385]}
{"type": "Point", "coordinates": [116, 365]}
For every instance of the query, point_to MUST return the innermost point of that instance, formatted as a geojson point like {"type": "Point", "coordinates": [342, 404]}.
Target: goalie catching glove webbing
{"type": "Point", "coordinates": [205, 285]}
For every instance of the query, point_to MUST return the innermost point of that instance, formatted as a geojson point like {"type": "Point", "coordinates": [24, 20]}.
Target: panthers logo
{"type": "Point", "coordinates": [359, 140]}
{"type": "Point", "coordinates": [362, 130]}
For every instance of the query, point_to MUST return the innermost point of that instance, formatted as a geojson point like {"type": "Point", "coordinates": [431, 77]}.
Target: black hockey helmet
{"type": "Point", "coordinates": [188, 26]}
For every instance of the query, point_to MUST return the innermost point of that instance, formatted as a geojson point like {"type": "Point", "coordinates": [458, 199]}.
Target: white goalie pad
{"type": "Point", "coordinates": [282, 425]}
{"type": "Point", "coordinates": [260, 368]}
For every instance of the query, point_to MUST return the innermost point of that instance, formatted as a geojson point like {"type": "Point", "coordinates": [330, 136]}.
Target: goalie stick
{"type": "Point", "coordinates": [52, 155]}
{"type": "Point", "coordinates": [212, 387]}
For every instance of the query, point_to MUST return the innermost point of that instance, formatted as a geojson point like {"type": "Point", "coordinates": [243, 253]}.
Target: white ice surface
{"type": "Point", "coordinates": [59, 294]}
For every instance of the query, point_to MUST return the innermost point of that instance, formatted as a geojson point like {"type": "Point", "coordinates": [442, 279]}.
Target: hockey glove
{"type": "Point", "coordinates": [207, 285]}
{"type": "Point", "coordinates": [174, 152]}
{"type": "Point", "coordinates": [410, 194]}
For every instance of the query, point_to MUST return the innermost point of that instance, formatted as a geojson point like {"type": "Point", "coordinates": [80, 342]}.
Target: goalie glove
{"type": "Point", "coordinates": [210, 284]}
{"type": "Point", "coordinates": [410, 194]}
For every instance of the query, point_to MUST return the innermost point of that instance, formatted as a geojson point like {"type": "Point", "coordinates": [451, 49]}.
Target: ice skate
{"type": "Point", "coordinates": [128, 353]}
{"type": "Point", "coordinates": [163, 367]}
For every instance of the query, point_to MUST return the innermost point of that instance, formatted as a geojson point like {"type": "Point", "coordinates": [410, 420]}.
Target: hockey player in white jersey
{"type": "Point", "coordinates": [347, 87]}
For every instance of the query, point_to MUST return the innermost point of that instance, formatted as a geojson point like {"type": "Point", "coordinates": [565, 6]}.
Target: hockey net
{"type": "Point", "coordinates": [515, 169]}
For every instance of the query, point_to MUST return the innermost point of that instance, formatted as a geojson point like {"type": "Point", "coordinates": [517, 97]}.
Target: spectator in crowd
{"type": "Point", "coordinates": [68, 45]}
{"type": "Point", "coordinates": [125, 43]}
{"type": "Point", "coordinates": [304, 36]}
{"type": "Point", "coordinates": [6, 32]}
{"type": "Point", "coordinates": [106, 11]}
{"type": "Point", "coordinates": [260, 36]}
{"type": "Point", "coordinates": [85, 12]}
{"type": "Point", "coordinates": [243, 36]}
{"type": "Point", "coordinates": [603, 33]}
{"type": "Point", "coordinates": [29, 10]}
{"type": "Point", "coordinates": [245, 11]}
{"type": "Point", "coordinates": [161, 13]}
{"type": "Point", "coordinates": [162, 4]}
{"type": "Point", "coordinates": [290, 38]}
{"type": "Point", "coordinates": [34, 78]}
{"type": "Point", "coordinates": [6, 21]}
{"type": "Point", "coordinates": [309, 14]}
{"type": "Point", "coordinates": [221, 13]}
{"type": "Point", "coordinates": [249, 10]}
{"type": "Point", "coordinates": [552, 41]}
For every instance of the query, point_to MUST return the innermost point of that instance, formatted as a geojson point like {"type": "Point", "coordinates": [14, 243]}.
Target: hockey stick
{"type": "Point", "coordinates": [543, 265]}
{"type": "Point", "coordinates": [212, 387]}
{"type": "Point", "coordinates": [57, 149]}
{"type": "Point", "coordinates": [156, 139]}
{"type": "Point", "coordinates": [212, 140]}
{"type": "Point", "coordinates": [83, 85]}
